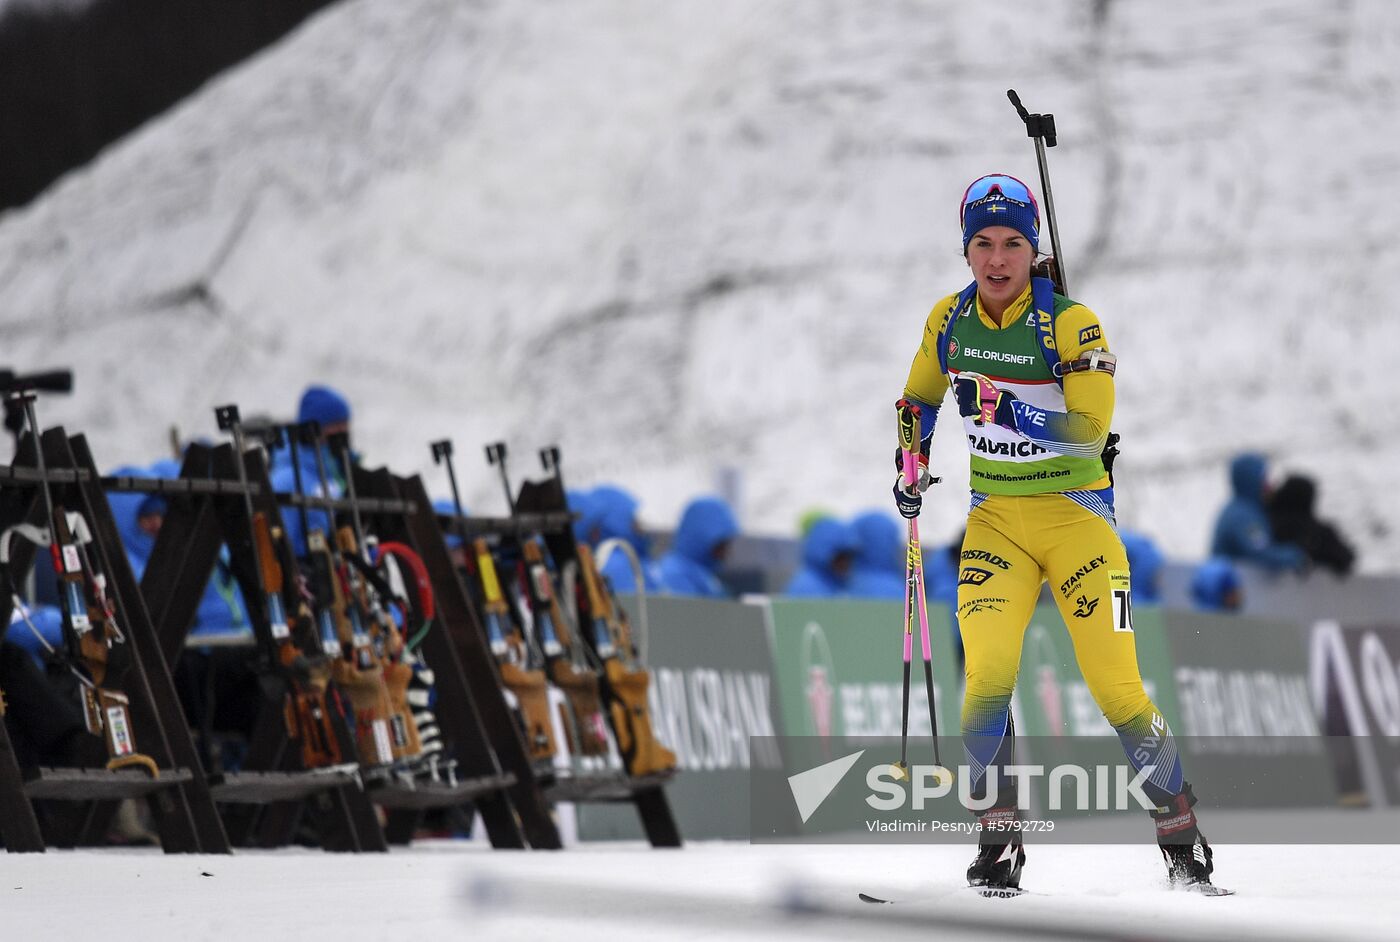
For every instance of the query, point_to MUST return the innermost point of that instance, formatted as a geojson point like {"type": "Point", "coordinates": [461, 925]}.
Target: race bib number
{"type": "Point", "coordinates": [1120, 587]}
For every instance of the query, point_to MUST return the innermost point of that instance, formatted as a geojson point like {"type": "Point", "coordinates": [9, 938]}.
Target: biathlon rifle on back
{"type": "Point", "coordinates": [1041, 129]}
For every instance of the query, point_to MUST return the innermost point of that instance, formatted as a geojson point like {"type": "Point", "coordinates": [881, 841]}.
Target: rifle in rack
{"type": "Point", "coordinates": [566, 657]}
{"type": "Point", "coordinates": [357, 669]}
{"type": "Point", "coordinates": [95, 650]}
{"type": "Point", "coordinates": [515, 657]}
{"type": "Point", "coordinates": [627, 679]}
{"type": "Point", "coordinates": [378, 596]}
{"type": "Point", "coordinates": [305, 704]}
{"type": "Point", "coordinates": [308, 711]}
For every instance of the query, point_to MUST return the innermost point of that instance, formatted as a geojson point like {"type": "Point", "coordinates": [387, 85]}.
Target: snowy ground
{"type": "Point", "coordinates": [683, 237]}
{"type": "Point", "coordinates": [707, 891]}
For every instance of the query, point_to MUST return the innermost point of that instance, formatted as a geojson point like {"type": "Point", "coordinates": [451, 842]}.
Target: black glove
{"type": "Point", "coordinates": [909, 499]}
{"type": "Point", "coordinates": [980, 400]}
{"type": "Point", "coordinates": [908, 504]}
{"type": "Point", "coordinates": [1110, 452]}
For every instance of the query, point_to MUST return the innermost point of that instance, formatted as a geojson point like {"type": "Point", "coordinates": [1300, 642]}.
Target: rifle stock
{"type": "Point", "coordinates": [369, 676]}
{"type": "Point", "coordinates": [305, 710]}
{"type": "Point", "coordinates": [361, 681]}
{"type": "Point", "coordinates": [627, 681]}
{"type": "Point", "coordinates": [89, 630]}
{"type": "Point", "coordinates": [512, 656]}
{"type": "Point", "coordinates": [570, 674]}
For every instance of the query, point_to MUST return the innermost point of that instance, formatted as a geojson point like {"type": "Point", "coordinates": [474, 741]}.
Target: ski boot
{"type": "Point", "coordinates": [1184, 848]}
{"type": "Point", "coordinates": [1000, 855]}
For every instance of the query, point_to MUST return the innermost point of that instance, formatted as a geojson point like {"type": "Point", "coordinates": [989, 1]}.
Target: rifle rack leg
{"type": "Point", "coordinates": [655, 811]}
{"type": "Point", "coordinates": [19, 828]}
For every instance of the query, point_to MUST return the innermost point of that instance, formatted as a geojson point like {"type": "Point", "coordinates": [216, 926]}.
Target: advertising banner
{"type": "Point", "coordinates": [1354, 678]}
{"type": "Point", "coordinates": [711, 690]}
{"type": "Point", "coordinates": [1242, 687]}
{"type": "Point", "coordinates": [840, 668]}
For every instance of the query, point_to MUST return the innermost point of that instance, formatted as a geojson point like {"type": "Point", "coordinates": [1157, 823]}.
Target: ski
{"type": "Point", "coordinates": [986, 892]}
{"type": "Point", "coordinates": [1010, 892]}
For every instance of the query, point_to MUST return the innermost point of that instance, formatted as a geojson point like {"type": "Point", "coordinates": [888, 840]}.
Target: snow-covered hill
{"type": "Point", "coordinates": [683, 237]}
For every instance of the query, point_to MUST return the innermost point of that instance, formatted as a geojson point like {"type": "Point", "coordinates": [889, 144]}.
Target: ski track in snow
{"type": "Point", "coordinates": [681, 237]}
{"type": "Point", "coordinates": [709, 890]}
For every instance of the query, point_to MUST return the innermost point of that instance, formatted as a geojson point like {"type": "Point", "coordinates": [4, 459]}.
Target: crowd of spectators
{"type": "Point", "coordinates": [1273, 530]}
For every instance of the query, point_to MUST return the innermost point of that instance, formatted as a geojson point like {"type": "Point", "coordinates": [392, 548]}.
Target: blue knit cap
{"type": "Point", "coordinates": [999, 199]}
{"type": "Point", "coordinates": [324, 405]}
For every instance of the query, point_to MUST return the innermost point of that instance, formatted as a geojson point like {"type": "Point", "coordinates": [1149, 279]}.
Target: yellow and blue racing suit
{"type": "Point", "coordinates": [1042, 509]}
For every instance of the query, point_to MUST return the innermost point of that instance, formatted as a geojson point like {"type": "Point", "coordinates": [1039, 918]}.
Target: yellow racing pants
{"type": "Point", "coordinates": [1013, 544]}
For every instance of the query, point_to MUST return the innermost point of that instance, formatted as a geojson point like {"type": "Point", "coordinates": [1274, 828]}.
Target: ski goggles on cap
{"type": "Point", "coordinates": [1000, 200]}
{"type": "Point", "coordinates": [993, 183]}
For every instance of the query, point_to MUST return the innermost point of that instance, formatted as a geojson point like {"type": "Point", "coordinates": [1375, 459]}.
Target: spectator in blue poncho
{"type": "Point", "coordinates": [612, 515]}
{"type": "Point", "coordinates": [129, 509]}
{"type": "Point", "coordinates": [1145, 563]}
{"type": "Point", "coordinates": [878, 571]}
{"type": "Point", "coordinates": [828, 554]}
{"type": "Point", "coordinates": [1242, 530]}
{"type": "Point", "coordinates": [702, 541]}
{"type": "Point", "coordinates": [139, 517]}
{"type": "Point", "coordinates": [1216, 586]}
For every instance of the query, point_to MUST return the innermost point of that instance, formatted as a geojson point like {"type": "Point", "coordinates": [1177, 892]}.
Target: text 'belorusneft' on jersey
{"type": "Point", "coordinates": [997, 356]}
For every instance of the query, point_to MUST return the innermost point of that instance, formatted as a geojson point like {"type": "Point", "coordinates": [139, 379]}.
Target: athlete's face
{"type": "Point", "coordinates": [1000, 259]}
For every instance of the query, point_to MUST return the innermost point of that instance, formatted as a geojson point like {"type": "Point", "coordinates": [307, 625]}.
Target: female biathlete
{"type": "Point", "coordinates": [1032, 376]}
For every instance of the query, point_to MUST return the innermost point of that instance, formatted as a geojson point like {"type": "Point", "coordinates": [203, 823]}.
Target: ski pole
{"type": "Point", "coordinates": [915, 602]}
{"type": "Point", "coordinates": [908, 421]}
{"type": "Point", "coordinates": [1041, 129]}
{"type": "Point", "coordinates": [916, 560]}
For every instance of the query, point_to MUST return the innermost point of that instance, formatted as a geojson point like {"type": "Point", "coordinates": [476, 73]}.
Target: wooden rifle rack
{"type": "Point", "coordinates": [484, 782]}
{"type": "Point", "coordinates": [263, 803]}
{"type": "Point", "coordinates": [472, 709]}
{"type": "Point", "coordinates": [85, 799]}
{"type": "Point", "coordinates": [542, 510]}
